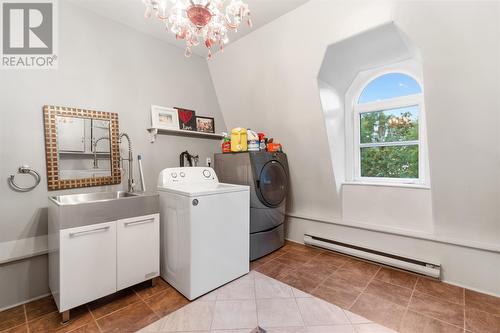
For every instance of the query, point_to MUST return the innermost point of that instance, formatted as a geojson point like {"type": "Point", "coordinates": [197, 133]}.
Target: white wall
{"type": "Point", "coordinates": [268, 80]}
{"type": "Point", "coordinates": [460, 55]}
{"type": "Point", "coordinates": [103, 66]}
{"type": "Point", "coordinates": [407, 208]}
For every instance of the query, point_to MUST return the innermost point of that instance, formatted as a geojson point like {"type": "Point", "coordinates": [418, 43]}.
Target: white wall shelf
{"type": "Point", "coordinates": [155, 131]}
{"type": "Point", "coordinates": [23, 248]}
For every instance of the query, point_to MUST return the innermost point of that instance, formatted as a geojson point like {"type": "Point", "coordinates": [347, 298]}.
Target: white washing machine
{"type": "Point", "coordinates": [204, 230]}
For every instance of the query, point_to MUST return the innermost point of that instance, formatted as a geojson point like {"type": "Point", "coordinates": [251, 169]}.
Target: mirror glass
{"type": "Point", "coordinates": [83, 147]}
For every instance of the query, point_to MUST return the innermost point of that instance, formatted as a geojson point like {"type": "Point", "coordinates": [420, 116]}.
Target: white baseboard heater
{"type": "Point", "coordinates": [408, 264]}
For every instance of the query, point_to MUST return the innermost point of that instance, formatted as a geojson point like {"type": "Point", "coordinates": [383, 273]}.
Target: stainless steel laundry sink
{"type": "Point", "coordinates": [74, 199]}
{"type": "Point", "coordinates": [74, 210]}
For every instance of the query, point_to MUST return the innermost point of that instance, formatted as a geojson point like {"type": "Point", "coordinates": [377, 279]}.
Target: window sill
{"type": "Point", "coordinates": [403, 185]}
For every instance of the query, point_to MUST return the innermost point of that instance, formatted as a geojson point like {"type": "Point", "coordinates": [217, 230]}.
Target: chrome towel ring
{"type": "Point", "coordinates": [24, 170]}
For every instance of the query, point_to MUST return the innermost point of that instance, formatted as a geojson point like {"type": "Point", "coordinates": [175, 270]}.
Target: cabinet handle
{"type": "Point", "coordinates": [82, 233]}
{"type": "Point", "coordinates": [129, 224]}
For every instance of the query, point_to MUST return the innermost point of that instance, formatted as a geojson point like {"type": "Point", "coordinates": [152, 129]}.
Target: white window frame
{"type": "Point", "coordinates": [363, 79]}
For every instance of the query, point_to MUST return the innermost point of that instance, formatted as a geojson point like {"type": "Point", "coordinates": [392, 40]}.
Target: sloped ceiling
{"type": "Point", "coordinates": [379, 46]}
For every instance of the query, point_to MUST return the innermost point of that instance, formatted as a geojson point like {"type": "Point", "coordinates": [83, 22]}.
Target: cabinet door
{"type": "Point", "coordinates": [138, 249]}
{"type": "Point", "coordinates": [88, 263]}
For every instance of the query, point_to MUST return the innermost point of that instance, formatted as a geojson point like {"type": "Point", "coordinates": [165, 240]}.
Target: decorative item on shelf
{"type": "Point", "coordinates": [205, 124]}
{"type": "Point", "coordinates": [187, 119]}
{"type": "Point", "coordinates": [195, 21]}
{"type": "Point", "coordinates": [164, 118]}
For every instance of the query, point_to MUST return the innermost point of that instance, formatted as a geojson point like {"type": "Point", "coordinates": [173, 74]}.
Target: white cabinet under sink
{"type": "Point", "coordinates": [95, 260]}
{"type": "Point", "coordinates": [138, 255]}
{"type": "Point", "coordinates": [87, 263]}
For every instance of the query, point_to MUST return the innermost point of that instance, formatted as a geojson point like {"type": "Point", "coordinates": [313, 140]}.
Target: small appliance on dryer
{"type": "Point", "coordinates": [204, 230]}
{"type": "Point", "coordinates": [267, 175]}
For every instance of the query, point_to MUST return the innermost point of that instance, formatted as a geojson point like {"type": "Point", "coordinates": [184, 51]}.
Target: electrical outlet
{"type": "Point", "coordinates": [208, 162]}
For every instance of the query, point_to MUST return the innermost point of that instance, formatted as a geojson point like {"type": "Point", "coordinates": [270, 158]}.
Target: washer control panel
{"type": "Point", "coordinates": [187, 175]}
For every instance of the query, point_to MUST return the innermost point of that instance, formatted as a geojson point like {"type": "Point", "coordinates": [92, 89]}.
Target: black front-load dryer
{"type": "Point", "coordinates": [267, 175]}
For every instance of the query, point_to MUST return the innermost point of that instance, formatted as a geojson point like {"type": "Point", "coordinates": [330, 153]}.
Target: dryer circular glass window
{"type": "Point", "coordinates": [273, 183]}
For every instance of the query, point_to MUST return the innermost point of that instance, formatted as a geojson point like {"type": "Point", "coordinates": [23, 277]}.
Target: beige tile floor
{"type": "Point", "coordinates": [258, 300]}
{"type": "Point", "coordinates": [399, 300]}
{"type": "Point", "coordinates": [402, 301]}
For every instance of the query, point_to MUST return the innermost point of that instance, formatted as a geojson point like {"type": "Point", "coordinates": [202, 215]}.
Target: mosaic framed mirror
{"type": "Point", "coordinates": [81, 147]}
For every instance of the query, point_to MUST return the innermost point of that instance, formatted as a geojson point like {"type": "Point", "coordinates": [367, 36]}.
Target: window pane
{"type": "Point", "coordinates": [389, 125]}
{"type": "Point", "coordinates": [390, 162]}
{"type": "Point", "coordinates": [388, 86]}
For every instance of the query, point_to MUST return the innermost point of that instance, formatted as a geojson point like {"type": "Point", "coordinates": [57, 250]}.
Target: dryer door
{"type": "Point", "coordinates": [272, 184]}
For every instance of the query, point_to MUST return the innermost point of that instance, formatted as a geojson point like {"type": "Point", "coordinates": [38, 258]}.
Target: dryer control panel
{"type": "Point", "coordinates": [187, 175]}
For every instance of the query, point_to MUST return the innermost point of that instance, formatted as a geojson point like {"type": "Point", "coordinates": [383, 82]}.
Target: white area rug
{"type": "Point", "coordinates": [258, 300]}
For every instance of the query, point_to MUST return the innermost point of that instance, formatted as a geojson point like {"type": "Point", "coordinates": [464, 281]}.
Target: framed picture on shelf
{"type": "Point", "coordinates": [187, 119]}
{"type": "Point", "coordinates": [205, 124]}
{"type": "Point", "coordinates": [164, 118]}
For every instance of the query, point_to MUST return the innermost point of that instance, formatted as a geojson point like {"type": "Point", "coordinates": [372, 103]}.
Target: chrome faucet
{"type": "Point", "coordinates": [94, 150]}
{"type": "Point", "coordinates": [130, 159]}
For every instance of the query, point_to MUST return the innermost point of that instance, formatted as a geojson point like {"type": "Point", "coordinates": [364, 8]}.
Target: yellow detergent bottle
{"type": "Point", "coordinates": [238, 139]}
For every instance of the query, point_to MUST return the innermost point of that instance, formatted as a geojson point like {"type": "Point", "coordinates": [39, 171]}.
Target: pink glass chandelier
{"type": "Point", "coordinates": [200, 21]}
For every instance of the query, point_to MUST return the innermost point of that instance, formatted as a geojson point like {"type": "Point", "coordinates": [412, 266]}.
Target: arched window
{"type": "Point", "coordinates": [388, 86]}
{"type": "Point", "coordinates": [388, 130]}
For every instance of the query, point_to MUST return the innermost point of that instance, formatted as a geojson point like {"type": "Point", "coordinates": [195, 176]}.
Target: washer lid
{"type": "Point", "coordinates": [201, 189]}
